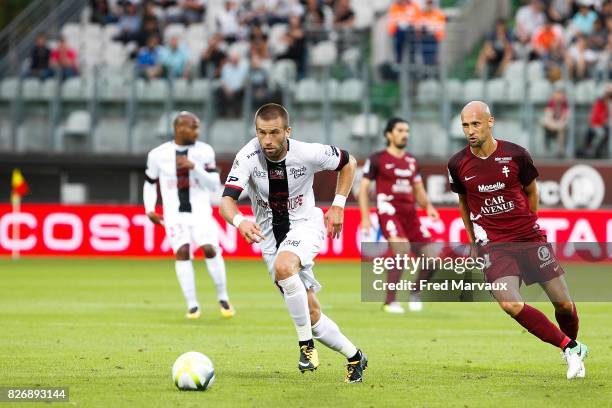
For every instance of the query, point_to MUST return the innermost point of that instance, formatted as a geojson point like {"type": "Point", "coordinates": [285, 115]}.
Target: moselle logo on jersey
{"type": "Point", "coordinates": [488, 188]}
{"type": "Point", "coordinates": [404, 172]}
{"type": "Point", "coordinates": [297, 172]}
{"type": "Point", "coordinates": [496, 205]}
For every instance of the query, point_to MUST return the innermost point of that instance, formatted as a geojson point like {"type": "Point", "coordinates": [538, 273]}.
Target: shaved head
{"type": "Point", "coordinates": [184, 116]}
{"type": "Point", "coordinates": [477, 123]}
{"type": "Point", "coordinates": [186, 128]}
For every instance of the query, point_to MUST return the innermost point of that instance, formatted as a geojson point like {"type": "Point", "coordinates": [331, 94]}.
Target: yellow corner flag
{"type": "Point", "coordinates": [19, 187]}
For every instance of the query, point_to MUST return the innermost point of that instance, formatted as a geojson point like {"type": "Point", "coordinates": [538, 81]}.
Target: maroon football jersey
{"type": "Point", "coordinates": [395, 178]}
{"type": "Point", "coordinates": [499, 207]}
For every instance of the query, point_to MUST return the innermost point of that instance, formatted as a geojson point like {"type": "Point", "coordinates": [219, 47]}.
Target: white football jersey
{"type": "Point", "coordinates": [281, 192]}
{"type": "Point", "coordinates": [184, 190]}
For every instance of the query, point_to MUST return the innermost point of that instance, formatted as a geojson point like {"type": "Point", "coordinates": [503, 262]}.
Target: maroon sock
{"type": "Point", "coordinates": [394, 276]}
{"type": "Point", "coordinates": [424, 275]}
{"type": "Point", "coordinates": [568, 323]}
{"type": "Point", "coordinates": [538, 324]}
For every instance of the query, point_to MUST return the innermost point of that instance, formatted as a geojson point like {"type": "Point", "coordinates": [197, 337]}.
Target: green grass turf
{"type": "Point", "coordinates": [111, 330]}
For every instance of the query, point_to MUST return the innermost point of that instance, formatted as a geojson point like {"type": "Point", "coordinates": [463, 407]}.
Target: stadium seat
{"type": "Point", "coordinates": [9, 88]}
{"type": "Point", "coordinates": [48, 88]}
{"type": "Point", "coordinates": [115, 88]}
{"type": "Point", "coordinates": [164, 125]}
{"type": "Point", "coordinates": [496, 90]}
{"type": "Point", "coordinates": [539, 91]}
{"type": "Point", "coordinates": [153, 90]}
{"type": "Point", "coordinates": [365, 126]}
{"type": "Point", "coordinates": [515, 91]}
{"type": "Point", "coordinates": [92, 32]}
{"type": "Point", "coordinates": [454, 90]}
{"type": "Point", "coordinates": [364, 14]}
{"type": "Point", "coordinates": [241, 47]}
{"type": "Point", "coordinates": [473, 89]}
{"type": "Point", "coordinates": [308, 90]}
{"type": "Point", "coordinates": [283, 73]}
{"type": "Point", "coordinates": [71, 32]}
{"type": "Point", "coordinates": [277, 46]}
{"type": "Point", "coordinates": [323, 54]}
{"type": "Point", "coordinates": [110, 31]}
{"type": "Point", "coordinates": [197, 32]}
{"type": "Point", "coordinates": [428, 92]}
{"type": "Point", "coordinates": [586, 92]}
{"type": "Point", "coordinates": [515, 70]}
{"type": "Point", "coordinates": [72, 89]}
{"type": "Point", "coordinates": [200, 90]}
{"type": "Point", "coordinates": [31, 89]}
{"type": "Point", "coordinates": [78, 123]}
{"type": "Point", "coordinates": [115, 54]}
{"type": "Point", "coordinates": [350, 91]}
{"type": "Point", "coordinates": [381, 6]}
{"type": "Point", "coordinates": [351, 56]}
{"type": "Point", "coordinates": [535, 70]}
{"type": "Point", "coordinates": [174, 30]}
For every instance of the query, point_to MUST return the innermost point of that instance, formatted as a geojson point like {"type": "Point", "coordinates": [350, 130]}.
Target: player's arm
{"type": "Point", "coordinates": [207, 174]}
{"type": "Point", "coordinates": [464, 210]}
{"type": "Point", "coordinates": [237, 180]}
{"type": "Point", "coordinates": [421, 197]}
{"type": "Point", "coordinates": [364, 203]}
{"type": "Point", "coordinates": [334, 217]}
{"type": "Point", "coordinates": [249, 230]}
{"type": "Point", "coordinates": [532, 195]}
{"type": "Point", "coordinates": [149, 191]}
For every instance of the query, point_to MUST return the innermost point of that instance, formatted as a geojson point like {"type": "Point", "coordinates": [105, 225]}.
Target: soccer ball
{"type": "Point", "coordinates": [193, 371]}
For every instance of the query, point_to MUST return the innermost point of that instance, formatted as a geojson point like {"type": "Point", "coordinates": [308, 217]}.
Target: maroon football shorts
{"type": "Point", "coordinates": [531, 261]}
{"type": "Point", "coordinates": [401, 225]}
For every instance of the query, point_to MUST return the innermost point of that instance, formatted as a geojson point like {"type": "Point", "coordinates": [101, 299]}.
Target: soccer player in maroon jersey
{"type": "Point", "coordinates": [398, 186]}
{"type": "Point", "coordinates": [498, 201]}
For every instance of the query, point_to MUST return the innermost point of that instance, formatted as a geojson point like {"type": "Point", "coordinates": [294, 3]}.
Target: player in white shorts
{"type": "Point", "coordinates": [278, 173]}
{"type": "Point", "coordinates": [186, 172]}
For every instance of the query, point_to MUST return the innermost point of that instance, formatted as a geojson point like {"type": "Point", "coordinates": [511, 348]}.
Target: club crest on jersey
{"type": "Point", "coordinates": [506, 171]}
{"type": "Point", "coordinates": [503, 160]}
{"type": "Point", "coordinates": [332, 151]}
{"type": "Point", "coordinates": [276, 174]}
{"type": "Point", "coordinates": [258, 173]}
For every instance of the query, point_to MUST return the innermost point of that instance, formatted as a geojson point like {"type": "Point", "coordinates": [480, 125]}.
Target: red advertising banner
{"type": "Point", "coordinates": [93, 230]}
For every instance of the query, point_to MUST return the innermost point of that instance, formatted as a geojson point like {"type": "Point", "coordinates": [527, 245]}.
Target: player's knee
{"type": "Point", "coordinates": [512, 308]}
{"type": "Point", "coordinates": [283, 270]}
{"type": "Point", "coordinates": [209, 251]}
{"type": "Point", "coordinates": [564, 307]}
{"type": "Point", "coordinates": [183, 253]}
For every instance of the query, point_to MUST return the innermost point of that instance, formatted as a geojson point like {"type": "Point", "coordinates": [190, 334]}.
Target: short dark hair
{"type": "Point", "coordinates": [271, 111]}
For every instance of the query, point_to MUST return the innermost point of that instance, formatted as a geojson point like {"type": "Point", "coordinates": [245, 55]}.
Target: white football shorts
{"type": "Point", "coordinates": [187, 228]}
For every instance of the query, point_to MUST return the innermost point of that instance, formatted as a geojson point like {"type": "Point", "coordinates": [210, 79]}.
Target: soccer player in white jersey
{"type": "Point", "coordinates": [278, 173]}
{"type": "Point", "coordinates": [186, 172]}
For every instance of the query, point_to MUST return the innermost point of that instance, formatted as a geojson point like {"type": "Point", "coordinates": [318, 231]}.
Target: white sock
{"type": "Point", "coordinates": [327, 332]}
{"type": "Point", "coordinates": [216, 270]}
{"type": "Point", "coordinates": [186, 278]}
{"type": "Point", "coordinates": [296, 299]}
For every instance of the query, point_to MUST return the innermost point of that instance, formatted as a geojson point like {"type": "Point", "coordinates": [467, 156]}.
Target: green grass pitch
{"type": "Point", "coordinates": [111, 330]}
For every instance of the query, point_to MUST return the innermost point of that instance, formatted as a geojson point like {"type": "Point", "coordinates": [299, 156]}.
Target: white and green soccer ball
{"type": "Point", "coordinates": [193, 371]}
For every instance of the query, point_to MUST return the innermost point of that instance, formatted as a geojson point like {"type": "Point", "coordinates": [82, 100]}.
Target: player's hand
{"type": "Point", "coordinates": [334, 218]}
{"type": "Point", "coordinates": [251, 232]}
{"type": "Point", "coordinates": [156, 218]}
{"type": "Point", "coordinates": [182, 162]}
{"type": "Point", "coordinates": [432, 213]}
{"type": "Point", "coordinates": [366, 224]}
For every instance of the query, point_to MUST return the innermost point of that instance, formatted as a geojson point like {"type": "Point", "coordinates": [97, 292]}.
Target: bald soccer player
{"type": "Point", "coordinates": [186, 172]}
{"type": "Point", "coordinates": [498, 201]}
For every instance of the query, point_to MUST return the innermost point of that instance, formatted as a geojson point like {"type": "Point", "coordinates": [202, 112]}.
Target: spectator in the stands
{"type": "Point", "coordinates": [213, 57]}
{"type": "Point", "coordinates": [314, 18]}
{"type": "Point", "coordinates": [548, 46]}
{"type": "Point", "coordinates": [555, 120]}
{"type": "Point", "coordinates": [129, 23]}
{"type": "Point", "coordinates": [272, 12]}
{"type": "Point", "coordinates": [64, 59]}
{"type": "Point", "coordinates": [229, 23]}
{"type": "Point", "coordinates": [148, 60]}
{"type": "Point", "coordinates": [579, 58]}
{"type": "Point", "coordinates": [431, 23]}
{"type": "Point", "coordinates": [402, 18]}
{"type": "Point", "coordinates": [150, 25]}
{"type": "Point", "coordinates": [529, 18]}
{"type": "Point", "coordinates": [233, 78]}
{"type": "Point", "coordinates": [186, 12]}
{"type": "Point", "coordinates": [583, 20]}
{"type": "Point", "coordinates": [296, 45]}
{"type": "Point", "coordinates": [496, 52]}
{"type": "Point", "coordinates": [101, 13]}
{"type": "Point", "coordinates": [259, 46]}
{"type": "Point", "coordinates": [598, 134]}
{"type": "Point", "coordinates": [344, 16]}
{"type": "Point", "coordinates": [175, 59]}
{"type": "Point", "coordinates": [560, 11]}
{"type": "Point", "coordinates": [40, 58]}
{"type": "Point", "coordinates": [598, 38]}
{"type": "Point", "coordinates": [259, 82]}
